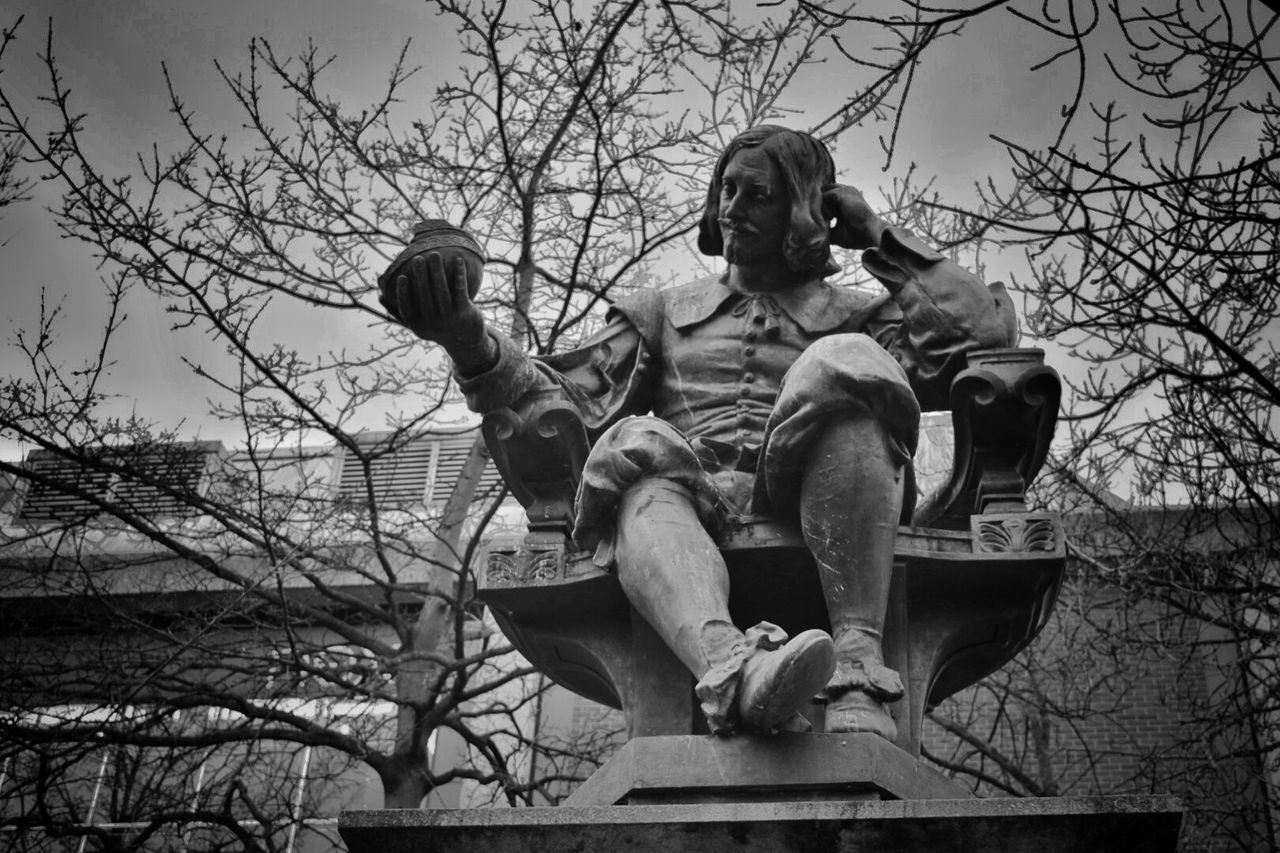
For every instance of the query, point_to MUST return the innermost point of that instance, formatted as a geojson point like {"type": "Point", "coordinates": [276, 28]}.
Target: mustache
{"type": "Point", "coordinates": [736, 227]}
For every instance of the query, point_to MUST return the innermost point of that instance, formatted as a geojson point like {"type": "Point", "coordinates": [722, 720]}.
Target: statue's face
{"type": "Point", "coordinates": [754, 209]}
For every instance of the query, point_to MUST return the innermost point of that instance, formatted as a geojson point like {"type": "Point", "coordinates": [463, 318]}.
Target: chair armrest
{"type": "Point", "coordinates": [1004, 406]}
{"type": "Point", "coordinates": [539, 446]}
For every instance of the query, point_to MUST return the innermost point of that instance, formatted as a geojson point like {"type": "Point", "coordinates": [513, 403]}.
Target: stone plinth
{"type": "Point", "coordinates": [781, 768]}
{"type": "Point", "coordinates": [1051, 825]}
{"type": "Point", "coordinates": [789, 793]}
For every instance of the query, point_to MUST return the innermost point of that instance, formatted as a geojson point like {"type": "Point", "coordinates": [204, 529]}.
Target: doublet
{"type": "Point", "coordinates": [723, 356]}
{"type": "Point", "coordinates": [740, 381]}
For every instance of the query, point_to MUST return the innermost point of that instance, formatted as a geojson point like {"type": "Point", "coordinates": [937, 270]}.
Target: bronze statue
{"type": "Point", "coordinates": [762, 390]}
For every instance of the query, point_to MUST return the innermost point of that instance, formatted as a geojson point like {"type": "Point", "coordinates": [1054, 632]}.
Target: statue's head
{"type": "Point", "coordinates": [804, 166]}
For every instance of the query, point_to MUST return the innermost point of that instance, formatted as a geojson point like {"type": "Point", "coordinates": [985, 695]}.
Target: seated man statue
{"type": "Point", "coordinates": [764, 390]}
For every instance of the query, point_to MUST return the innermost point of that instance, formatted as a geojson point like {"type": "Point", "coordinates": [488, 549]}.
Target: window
{"type": "Point", "coordinates": [453, 453]}
{"type": "Point", "coordinates": [151, 481]}
{"type": "Point", "coordinates": [421, 470]}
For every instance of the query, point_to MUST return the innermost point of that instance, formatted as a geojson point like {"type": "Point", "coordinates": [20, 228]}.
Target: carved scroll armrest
{"type": "Point", "coordinates": [1004, 406]}
{"type": "Point", "coordinates": [539, 447]}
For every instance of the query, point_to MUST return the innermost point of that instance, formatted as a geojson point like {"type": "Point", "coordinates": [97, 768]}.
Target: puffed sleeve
{"type": "Point", "coordinates": [607, 378]}
{"type": "Point", "coordinates": [937, 313]}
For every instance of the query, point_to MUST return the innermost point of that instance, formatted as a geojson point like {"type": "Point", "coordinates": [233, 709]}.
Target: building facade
{"type": "Point", "coordinates": [199, 646]}
{"type": "Point", "coordinates": [269, 594]}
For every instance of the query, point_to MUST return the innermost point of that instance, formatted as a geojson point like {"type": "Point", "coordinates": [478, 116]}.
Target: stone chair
{"type": "Point", "coordinates": [975, 574]}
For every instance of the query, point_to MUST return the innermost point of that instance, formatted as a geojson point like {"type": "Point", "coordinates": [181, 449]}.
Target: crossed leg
{"type": "Point", "coordinates": [640, 483]}
{"type": "Point", "coordinates": [674, 576]}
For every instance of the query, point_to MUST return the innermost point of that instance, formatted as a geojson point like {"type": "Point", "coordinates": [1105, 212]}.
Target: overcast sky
{"type": "Point", "coordinates": [111, 55]}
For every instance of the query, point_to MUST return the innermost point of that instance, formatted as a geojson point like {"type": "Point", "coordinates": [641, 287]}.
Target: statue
{"type": "Point", "coordinates": [763, 390]}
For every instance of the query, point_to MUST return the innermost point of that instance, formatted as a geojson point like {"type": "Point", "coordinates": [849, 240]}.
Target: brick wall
{"type": "Point", "coordinates": [1117, 695]}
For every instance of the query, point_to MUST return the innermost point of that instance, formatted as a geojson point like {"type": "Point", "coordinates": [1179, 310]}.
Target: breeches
{"type": "Point", "coordinates": [838, 376]}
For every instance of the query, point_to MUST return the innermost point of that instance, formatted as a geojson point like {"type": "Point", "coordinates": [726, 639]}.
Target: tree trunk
{"type": "Point", "coordinates": [406, 779]}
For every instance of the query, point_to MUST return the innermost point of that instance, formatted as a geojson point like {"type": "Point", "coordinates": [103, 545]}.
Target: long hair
{"type": "Point", "coordinates": [805, 166]}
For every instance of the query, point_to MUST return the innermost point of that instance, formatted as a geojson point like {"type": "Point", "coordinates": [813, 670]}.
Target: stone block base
{"type": "Point", "coordinates": [788, 793]}
{"type": "Point", "coordinates": [780, 768]}
{"type": "Point", "coordinates": [1051, 825]}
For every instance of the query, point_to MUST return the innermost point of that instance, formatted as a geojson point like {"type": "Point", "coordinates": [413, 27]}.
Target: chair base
{"type": "Point", "coordinates": [962, 604]}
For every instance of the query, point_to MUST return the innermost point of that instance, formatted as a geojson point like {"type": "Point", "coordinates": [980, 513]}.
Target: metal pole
{"type": "Point", "coordinates": [297, 798]}
{"type": "Point", "coordinates": [195, 801]}
{"type": "Point", "coordinates": [93, 801]}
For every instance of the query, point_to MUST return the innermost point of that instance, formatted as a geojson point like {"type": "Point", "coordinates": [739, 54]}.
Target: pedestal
{"type": "Point", "coordinates": [1051, 825]}
{"type": "Point", "coordinates": [781, 768]}
{"type": "Point", "coordinates": [783, 794]}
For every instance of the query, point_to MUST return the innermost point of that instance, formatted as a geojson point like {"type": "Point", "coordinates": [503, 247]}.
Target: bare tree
{"type": "Point", "coordinates": [13, 186]}
{"type": "Point", "coordinates": [1147, 234]}
{"type": "Point", "coordinates": [291, 619]}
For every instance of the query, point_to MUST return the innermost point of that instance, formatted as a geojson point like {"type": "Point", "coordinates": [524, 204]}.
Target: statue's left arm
{"type": "Point", "coordinates": [937, 313]}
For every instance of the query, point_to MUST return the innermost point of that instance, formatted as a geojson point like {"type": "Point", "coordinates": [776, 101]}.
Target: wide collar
{"type": "Point", "coordinates": [814, 306]}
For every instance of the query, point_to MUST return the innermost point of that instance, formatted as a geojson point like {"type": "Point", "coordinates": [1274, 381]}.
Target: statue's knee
{"type": "Point", "coordinates": [852, 430]}
{"type": "Point", "coordinates": [646, 454]}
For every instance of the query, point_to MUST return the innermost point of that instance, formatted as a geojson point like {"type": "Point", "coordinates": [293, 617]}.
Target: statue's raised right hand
{"type": "Point", "coordinates": [436, 306]}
